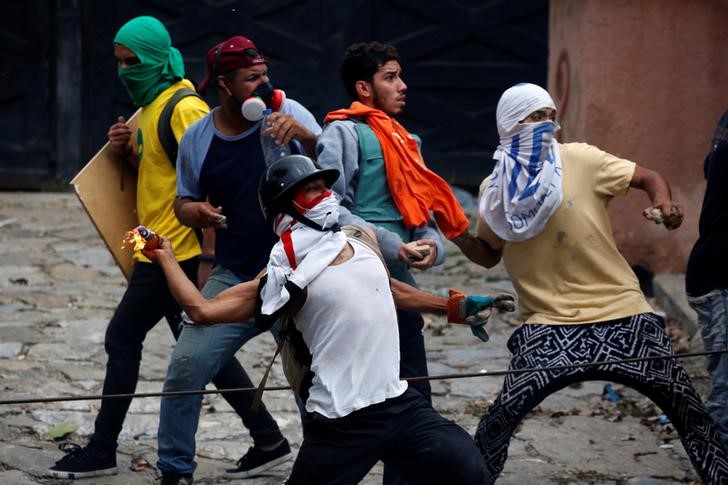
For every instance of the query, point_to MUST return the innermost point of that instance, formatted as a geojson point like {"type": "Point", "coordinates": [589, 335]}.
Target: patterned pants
{"type": "Point", "coordinates": [665, 382]}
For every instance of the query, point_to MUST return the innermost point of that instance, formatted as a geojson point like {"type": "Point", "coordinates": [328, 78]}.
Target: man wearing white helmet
{"type": "Point", "coordinates": [544, 211]}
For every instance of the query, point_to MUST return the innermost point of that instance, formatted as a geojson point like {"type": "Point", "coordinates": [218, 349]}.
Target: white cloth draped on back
{"type": "Point", "coordinates": [302, 253]}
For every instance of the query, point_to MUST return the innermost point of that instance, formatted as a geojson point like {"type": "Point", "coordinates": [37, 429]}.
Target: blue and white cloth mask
{"type": "Point", "coordinates": [526, 186]}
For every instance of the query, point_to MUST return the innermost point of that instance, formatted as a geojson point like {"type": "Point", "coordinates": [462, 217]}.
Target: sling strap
{"type": "Point", "coordinates": [164, 126]}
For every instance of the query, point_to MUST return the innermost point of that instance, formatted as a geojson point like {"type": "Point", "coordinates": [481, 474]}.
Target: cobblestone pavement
{"type": "Point", "coordinates": [59, 287]}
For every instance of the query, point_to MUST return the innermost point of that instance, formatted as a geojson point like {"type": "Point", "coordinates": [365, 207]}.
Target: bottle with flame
{"type": "Point", "coordinates": [140, 238]}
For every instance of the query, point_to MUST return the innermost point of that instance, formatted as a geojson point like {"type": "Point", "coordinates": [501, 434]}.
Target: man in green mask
{"type": "Point", "coordinates": [152, 72]}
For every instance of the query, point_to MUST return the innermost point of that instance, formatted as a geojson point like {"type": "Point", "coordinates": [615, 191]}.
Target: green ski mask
{"type": "Point", "coordinates": [160, 64]}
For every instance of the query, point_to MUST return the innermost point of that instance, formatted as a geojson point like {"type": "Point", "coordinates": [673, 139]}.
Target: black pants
{"type": "Point", "coordinates": [404, 432]}
{"type": "Point", "coordinates": [665, 382]}
{"type": "Point", "coordinates": [146, 300]}
{"type": "Point", "coordinates": [412, 363]}
{"type": "Point", "coordinates": [412, 355]}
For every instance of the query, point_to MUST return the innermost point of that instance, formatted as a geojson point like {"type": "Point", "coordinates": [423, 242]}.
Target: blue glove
{"type": "Point", "coordinates": [475, 304]}
{"type": "Point", "coordinates": [476, 310]}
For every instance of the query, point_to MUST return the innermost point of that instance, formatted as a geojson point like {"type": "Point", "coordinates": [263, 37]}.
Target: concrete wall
{"type": "Point", "coordinates": [645, 80]}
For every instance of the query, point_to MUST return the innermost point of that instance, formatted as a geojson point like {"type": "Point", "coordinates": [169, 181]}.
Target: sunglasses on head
{"type": "Point", "coordinates": [249, 52]}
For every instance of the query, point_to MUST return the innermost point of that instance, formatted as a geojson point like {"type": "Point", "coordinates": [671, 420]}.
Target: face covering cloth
{"type": "Point", "coordinates": [302, 252]}
{"type": "Point", "coordinates": [160, 64]}
{"type": "Point", "coordinates": [526, 186]}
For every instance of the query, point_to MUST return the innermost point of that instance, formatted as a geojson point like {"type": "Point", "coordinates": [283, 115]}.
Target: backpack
{"type": "Point", "coordinates": [166, 135]}
{"type": "Point", "coordinates": [295, 355]}
{"type": "Point", "coordinates": [164, 125]}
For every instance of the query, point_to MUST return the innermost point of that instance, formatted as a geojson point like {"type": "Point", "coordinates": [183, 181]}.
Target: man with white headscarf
{"type": "Point", "coordinates": [544, 211]}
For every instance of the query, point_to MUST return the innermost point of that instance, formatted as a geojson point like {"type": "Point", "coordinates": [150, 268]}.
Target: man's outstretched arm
{"type": "Point", "coordinates": [459, 307]}
{"type": "Point", "coordinates": [408, 297]}
{"type": "Point", "coordinates": [232, 305]}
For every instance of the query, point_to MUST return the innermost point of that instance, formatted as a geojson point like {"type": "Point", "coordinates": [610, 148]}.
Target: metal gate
{"type": "Point", "coordinates": [458, 56]}
{"type": "Point", "coordinates": [26, 134]}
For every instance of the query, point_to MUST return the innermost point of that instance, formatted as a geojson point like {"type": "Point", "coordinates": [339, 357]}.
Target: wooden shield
{"type": "Point", "coordinates": [107, 187]}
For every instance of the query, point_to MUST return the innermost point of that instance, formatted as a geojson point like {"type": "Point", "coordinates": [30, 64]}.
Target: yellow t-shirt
{"type": "Point", "coordinates": [572, 272]}
{"type": "Point", "coordinates": [157, 181]}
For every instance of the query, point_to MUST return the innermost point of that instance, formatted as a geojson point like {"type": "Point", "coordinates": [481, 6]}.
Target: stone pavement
{"type": "Point", "coordinates": [59, 287]}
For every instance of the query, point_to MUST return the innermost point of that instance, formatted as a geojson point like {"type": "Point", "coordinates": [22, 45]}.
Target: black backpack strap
{"type": "Point", "coordinates": [164, 127]}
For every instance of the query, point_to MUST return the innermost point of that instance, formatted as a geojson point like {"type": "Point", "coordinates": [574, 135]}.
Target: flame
{"type": "Point", "coordinates": [135, 239]}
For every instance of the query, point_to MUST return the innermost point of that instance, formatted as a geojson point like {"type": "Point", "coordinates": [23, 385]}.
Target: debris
{"type": "Point", "coordinates": [678, 336]}
{"type": "Point", "coordinates": [531, 450]}
{"type": "Point", "coordinates": [139, 464]}
{"type": "Point", "coordinates": [7, 222]}
{"type": "Point", "coordinates": [663, 419]}
{"type": "Point", "coordinates": [61, 430]}
{"type": "Point", "coordinates": [609, 393]}
{"type": "Point", "coordinates": [478, 407]}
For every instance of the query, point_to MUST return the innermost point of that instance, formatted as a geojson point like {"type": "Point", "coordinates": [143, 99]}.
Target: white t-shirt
{"type": "Point", "coordinates": [349, 324]}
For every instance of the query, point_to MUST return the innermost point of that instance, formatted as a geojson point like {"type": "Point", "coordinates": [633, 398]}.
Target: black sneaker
{"type": "Point", "coordinates": [174, 478]}
{"type": "Point", "coordinates": [83, 462]}
{"type": "Point", "coordinates": [256, 461]}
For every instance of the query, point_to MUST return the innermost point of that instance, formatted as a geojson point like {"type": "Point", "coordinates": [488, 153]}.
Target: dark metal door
{"type": "Point", "coordinates": [26, 157]}
{"type": "Point", "coordinates": [458, 56]}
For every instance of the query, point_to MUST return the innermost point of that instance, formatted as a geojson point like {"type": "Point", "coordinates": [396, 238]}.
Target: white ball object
{"type": "Point", "coordinates": [252, 109]}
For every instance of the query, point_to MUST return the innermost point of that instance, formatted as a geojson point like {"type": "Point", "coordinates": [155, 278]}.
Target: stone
{"type": "Point", "coordinates": [25, 456]}
{"type": "Point", "coordinates": [596, 443]}
{"type": "Point", "coordinates": [15, 477]}
{"type": "Point", "coordinates": [648, 481]}
{"type": "Point", "coordinates": [65, 291]}
{"type": "Point", "coordinates": [476, 387]}
{"type": "Point", "coordinates": [9, 309]}
{"type": "Point", "coordinates": [8, 350]}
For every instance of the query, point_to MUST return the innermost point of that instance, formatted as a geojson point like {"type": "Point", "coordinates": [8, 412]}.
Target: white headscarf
{"type": "Point", "coordinates": [302, 252]}
{"type": "Point", "coordinates": [525, 187]}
